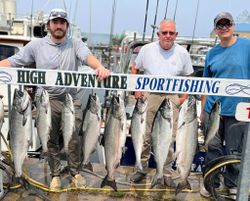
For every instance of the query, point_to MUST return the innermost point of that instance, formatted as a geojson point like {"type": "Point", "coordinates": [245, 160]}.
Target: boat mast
{"type": "Point", "coordinates": [165, 16]}
{"type": "Point", "coordinates": [145, 21]}
{"type": "Point", "coordinates": [154, 26]}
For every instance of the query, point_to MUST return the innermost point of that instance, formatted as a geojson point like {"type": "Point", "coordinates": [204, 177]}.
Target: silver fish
{"type": "Point", "coordinates": [20, 129]}
{"type": "Point", "coordinates": [114, 139]}
{"type": "Point", "coordinates": [186, 141]}
{"type": "Point", "coordinates": [214, 123]}
{"type": "Point", "coordinates": [138, 128]}
{"type": "Point", "coordinates": [161, 139]}
{"type": "Point", "coordinates": [43, 119]}
{"type": "Point", "coordinates": [1, 112]}
{"type": "Point", "coordinates": [91, 127]}
{"type": "Point", "coordinates": [68, 120]}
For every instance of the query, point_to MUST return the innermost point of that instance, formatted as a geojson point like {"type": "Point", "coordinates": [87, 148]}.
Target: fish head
{"type": "Point", "coordinates": [141, 104]}
{"type": "Point", "coordinates": [94, 104]}
{"type": "Point", "coordinates": [117, 106]}
{"type": "Point", "coordinates": [191, 109]}
{"type": "Point", "coordinates": [44, 98]}
{"type": "Point", "coordinates": [217, 107]}
{"type": "Point", "coordinates": [166, 109]}
{"type": "Point", "coordinates": [21, 100]}
{"type": "Point", "coordinates": [68, 99]}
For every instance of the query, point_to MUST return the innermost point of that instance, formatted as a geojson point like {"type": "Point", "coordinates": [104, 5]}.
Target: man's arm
{"type": "Point", "coordinates": [101, 71]}
{"type": "Point", "coordinates": [5, 63]}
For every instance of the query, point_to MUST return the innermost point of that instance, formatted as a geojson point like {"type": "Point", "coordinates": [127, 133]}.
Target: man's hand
{"type": "Point", "coordinates": [139, 94]}
{"type": "Point", "coordinates": [182, 98]}
{"type": "Point", "coordinates": [102, 73]}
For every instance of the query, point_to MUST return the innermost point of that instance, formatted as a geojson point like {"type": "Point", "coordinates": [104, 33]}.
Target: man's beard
{"type": "Point", "coordinates": [58, 35]}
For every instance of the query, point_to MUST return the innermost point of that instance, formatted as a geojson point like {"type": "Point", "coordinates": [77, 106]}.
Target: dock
{"type": "Point", "coordinates": [38, 171]}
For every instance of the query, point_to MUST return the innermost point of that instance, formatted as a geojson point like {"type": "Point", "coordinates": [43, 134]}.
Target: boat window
{"type": "Point", "coordinates": [17, 28]}
{"type": "Point", "coordinates": [7, 51]}
{"type": "Point", "coordinates": [3, 33]}
{"type": "Point", "coordinates": [39, 31]}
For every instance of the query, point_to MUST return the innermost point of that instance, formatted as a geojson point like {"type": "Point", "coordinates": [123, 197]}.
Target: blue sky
{"type": "Point", "coordinates": [130, 14]}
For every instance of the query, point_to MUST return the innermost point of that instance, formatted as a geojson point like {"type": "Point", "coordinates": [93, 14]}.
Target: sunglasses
{"type": "Point", "coordinates": [171, 33]}
{"type": "Point", "coordinates": [223, 26]}
{"type": "Point", "coordinates": [57, 14]}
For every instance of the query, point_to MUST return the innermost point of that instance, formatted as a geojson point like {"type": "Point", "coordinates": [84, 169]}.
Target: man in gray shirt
{"type": "Point", "coordinates": [59, 52]}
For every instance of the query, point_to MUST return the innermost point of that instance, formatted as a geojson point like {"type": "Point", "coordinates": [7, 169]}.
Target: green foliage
{"type": "Point", "coordinates": [117, 39]}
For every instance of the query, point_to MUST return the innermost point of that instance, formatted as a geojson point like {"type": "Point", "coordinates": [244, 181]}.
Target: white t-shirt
{"type": "Point", "coordinates": [154, 60]}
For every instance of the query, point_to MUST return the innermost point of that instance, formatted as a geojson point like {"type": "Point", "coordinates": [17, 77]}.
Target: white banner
{"type": "Point", "coordinates": [128, 82]}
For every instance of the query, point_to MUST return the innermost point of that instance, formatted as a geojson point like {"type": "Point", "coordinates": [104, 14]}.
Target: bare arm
{"type": "Point", "coordinates": [134, 70]}
{"type": "Point", "coordinates": [101, 71]}
{"type": "Point", "coordinates": [5, 63]}
{"type": "Point", "coordinates": [182, 98]}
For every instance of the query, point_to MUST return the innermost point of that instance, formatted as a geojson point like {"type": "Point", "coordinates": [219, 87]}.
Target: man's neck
{"type": "Point", "coordinates": [226, 42]}
{"type": "Point", "coordinates": [57, 41]}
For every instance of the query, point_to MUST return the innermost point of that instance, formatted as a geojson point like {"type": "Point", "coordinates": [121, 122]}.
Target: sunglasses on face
{"type": "Point", "coordinates": [56, 14]}
{"type": "Point", "coordinates": [171, 33]}
{"type": "Point", "coordinates": [221, 26]}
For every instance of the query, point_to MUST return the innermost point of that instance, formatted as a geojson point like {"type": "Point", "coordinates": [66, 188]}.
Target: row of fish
{"type": "Point", "coordinates": [114, 134]}
{"type": "Point", "coordinates": [21, 125]}
{"type": "Point", "coordinates": [186, 139]}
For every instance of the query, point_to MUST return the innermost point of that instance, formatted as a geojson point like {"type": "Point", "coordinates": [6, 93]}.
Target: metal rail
{"type": "Point", "coordinates": [244, 176]}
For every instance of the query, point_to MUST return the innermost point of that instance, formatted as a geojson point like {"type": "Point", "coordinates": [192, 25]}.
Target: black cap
{"type": "Point", "coordinates": [223, 15]}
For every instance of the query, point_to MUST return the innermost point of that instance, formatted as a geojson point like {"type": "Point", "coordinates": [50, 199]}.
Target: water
{"type": "Point", "coordinates": [97, 38]}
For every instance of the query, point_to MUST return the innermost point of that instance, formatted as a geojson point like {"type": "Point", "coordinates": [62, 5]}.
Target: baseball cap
{"type": "Point", "coordinates": [58, 13]}
{"type": "Point", "coordinates": [223, 15]}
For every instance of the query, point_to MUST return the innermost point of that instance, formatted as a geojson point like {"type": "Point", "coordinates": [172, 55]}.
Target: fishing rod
{"type": "Point", "coordinates": [111, 31]}
{"type": "Point", "coordinates": [196, 17]}
{"type": "Point", "coordinates": [154, 26]}
{"type": "Point", "coordinates": [145, 21]}
{"type": "Point", "coordinates": [165, 16]}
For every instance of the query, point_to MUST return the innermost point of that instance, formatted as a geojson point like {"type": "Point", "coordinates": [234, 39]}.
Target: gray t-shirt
{"type": "Point", "coordinates": [154, 60]}
{"type": "Point", "coordinates": [46, 54]}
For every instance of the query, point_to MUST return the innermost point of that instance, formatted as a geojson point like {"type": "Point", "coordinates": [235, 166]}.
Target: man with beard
{"type": "Point", "coordinates": [58, 51]}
